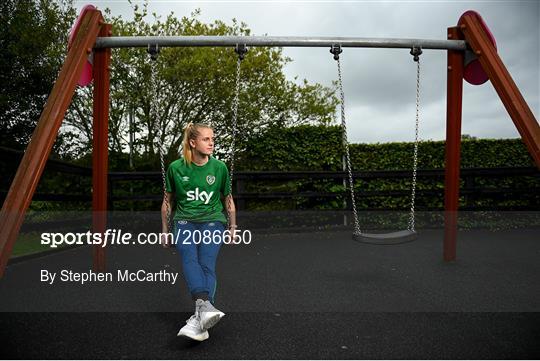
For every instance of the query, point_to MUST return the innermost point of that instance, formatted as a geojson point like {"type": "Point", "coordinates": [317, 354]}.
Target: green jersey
{"type": "Point", "coordinates": [198, 189]}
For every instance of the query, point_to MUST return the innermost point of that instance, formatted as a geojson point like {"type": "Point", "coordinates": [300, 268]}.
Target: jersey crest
{"type": "Point", "coordinates": [210, 179]}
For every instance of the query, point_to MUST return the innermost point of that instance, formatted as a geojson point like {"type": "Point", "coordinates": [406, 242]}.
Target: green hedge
{"type": "Point", "coordinates": [292, 149]}
{"type": "Point", "coordinates": [320, 148]}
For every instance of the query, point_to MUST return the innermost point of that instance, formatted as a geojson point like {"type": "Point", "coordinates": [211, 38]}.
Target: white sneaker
{"type": "Point", "coordinates": [209, 316]}
{"type": "Point", "coordinates": [193, 330]}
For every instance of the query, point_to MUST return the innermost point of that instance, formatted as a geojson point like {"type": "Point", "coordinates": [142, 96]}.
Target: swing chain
{"type": "Point", "coordinates": [241, 50]}
{"type": "Point", "coordinates": [336, 50]}
{"type": "Point", "coordinates": [153, 50]}
{"type": "Point", "coordinates": [415, 154]}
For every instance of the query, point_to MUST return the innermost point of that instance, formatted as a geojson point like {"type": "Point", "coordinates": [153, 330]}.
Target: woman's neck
{"type": "Point", "coordinates": [200, 159]}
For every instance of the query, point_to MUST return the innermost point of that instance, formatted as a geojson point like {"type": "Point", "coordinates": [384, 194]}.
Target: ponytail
{"type": "Point", "coordinates": [191, 131]}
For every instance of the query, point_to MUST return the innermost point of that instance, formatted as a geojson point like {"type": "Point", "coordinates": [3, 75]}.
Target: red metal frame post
{"type": "Point", "coordinates": [454, 98]}
{"type": "Point", "coordinates": [504, 85]}
{"type": "Point", "coordinates": [100, 160]}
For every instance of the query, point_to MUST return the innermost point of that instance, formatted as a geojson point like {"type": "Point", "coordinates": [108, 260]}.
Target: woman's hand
{"type": "Point", "coordinates": [165, 240]}
{"type": "Point", "coordinates": [232, 230]}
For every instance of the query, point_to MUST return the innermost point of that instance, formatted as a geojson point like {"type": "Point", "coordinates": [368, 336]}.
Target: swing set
{"type": "Point", "coordinates": [471, 56]}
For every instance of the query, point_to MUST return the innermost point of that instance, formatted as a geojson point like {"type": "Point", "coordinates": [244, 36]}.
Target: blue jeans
{"type": "Point", "coordinates": [198, 245]}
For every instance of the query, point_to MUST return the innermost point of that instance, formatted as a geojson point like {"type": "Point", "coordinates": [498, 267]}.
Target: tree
{"type": "Point", "coordinates": [465, 137]}
{"type": "Point", "coordinates": [197, 85]}
{"type": "Point", "coordinates": [33, 43]}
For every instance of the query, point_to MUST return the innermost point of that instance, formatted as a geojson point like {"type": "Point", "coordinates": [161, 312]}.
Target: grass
{"type": "Point", "coordinates": [29, 243]}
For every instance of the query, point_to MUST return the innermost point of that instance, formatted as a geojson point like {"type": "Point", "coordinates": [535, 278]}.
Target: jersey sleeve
{"type": "Point", "coordinates": [169, 181]}
{"type": "Point", "coordinates": [225, 181]}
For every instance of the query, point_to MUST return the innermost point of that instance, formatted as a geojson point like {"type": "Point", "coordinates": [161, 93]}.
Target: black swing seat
{"type": "Point", "coordinates": [386, 238]}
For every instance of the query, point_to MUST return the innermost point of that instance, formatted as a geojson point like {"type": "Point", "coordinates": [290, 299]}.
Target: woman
{"type": "Point", "coordinates": [195, 183]}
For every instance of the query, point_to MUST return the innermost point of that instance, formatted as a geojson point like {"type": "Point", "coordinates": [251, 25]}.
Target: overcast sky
{"type": "Point", "coordinates": [379, 84]}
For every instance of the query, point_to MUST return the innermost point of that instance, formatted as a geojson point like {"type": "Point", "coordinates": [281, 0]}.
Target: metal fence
{"type": "Point", "coordinates": [473, 189]}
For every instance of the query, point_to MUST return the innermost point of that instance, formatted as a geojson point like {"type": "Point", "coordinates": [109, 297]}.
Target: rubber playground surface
{"type": "Point", "coordinates": [291, 296]}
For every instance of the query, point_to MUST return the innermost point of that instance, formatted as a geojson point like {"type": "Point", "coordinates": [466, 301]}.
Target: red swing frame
{"type": "Point", "coordinates": [470, 28]}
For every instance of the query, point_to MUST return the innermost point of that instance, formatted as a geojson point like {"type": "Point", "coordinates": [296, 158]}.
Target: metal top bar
{"type": "Point", "coordinates": [278, 41]}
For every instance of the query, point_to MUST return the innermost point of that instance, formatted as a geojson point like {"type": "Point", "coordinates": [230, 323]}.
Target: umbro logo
{"type": "Point", "coordinates": [185, 179]}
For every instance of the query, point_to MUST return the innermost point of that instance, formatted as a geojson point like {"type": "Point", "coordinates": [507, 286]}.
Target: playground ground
{"type": "Point", "coordinates": [288, 296]}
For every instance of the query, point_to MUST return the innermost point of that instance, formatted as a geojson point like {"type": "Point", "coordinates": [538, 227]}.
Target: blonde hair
{"type": "Point", "coordinates": [191, 131]}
